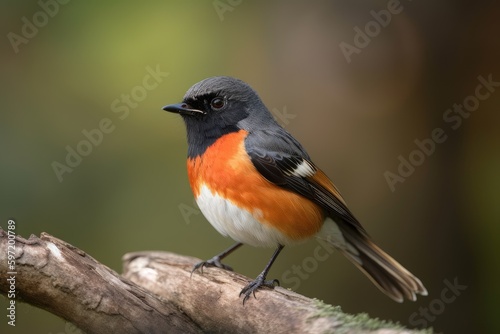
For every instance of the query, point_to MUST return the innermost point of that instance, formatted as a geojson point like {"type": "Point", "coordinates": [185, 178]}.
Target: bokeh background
{"type": "Point", "coordinates": [355, 118]}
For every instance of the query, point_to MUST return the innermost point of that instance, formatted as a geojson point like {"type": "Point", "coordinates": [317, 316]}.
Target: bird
{"type": "Point", "coordinates": [255, 183]}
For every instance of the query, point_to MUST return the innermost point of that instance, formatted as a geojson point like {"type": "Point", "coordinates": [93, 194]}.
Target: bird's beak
{"type": "Point", "coordinates": [183, 109]}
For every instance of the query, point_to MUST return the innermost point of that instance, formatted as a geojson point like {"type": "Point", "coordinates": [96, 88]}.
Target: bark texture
{"type": "Point", "coordinates": [158, 294]}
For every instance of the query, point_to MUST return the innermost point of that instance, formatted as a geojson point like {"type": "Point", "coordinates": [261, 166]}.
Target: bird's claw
{"type": "Point", "coordinates": [254, 285]}
{"type": "Point", "coordinates": [213, 262]}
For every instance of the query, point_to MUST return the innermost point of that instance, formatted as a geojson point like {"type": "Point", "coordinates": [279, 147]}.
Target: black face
{"type": "Point", "coordinates": [217, 106]}
{"type": "Point", "coordinates": [209, 103]}
{"type": "Point", "coordinates": [211, 109]}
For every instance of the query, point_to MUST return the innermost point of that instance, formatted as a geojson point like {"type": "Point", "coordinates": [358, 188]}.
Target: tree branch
{"type": "Point", "coordinates": [157, 294]}
{"type": "Point", "coordinates": [59, 278]}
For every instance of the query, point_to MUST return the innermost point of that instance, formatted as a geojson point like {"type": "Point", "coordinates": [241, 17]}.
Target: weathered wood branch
{"type": "Point", "coordinates": [57, 277]}
{"type": "Point", "coordinates": [157, 294]}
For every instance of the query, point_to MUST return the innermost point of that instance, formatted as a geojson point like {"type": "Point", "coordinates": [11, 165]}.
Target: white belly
{"type": "Point", "coordinates": [239, 224]}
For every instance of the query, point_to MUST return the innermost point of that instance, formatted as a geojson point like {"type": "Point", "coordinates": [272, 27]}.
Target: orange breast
{"type": "Point", "coordinates": [228, 171]}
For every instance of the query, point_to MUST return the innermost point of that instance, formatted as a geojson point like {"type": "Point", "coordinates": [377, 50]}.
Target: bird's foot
{"type": "Point", "coordinates": [213, 262]}
{"type": "Point", "coordinates": [254, 285]}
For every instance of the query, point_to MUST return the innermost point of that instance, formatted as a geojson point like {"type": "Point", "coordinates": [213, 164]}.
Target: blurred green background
{"type": "Point", "coordinates": [355, 118]}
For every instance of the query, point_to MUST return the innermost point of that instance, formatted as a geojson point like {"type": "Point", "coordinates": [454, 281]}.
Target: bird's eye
{"type": "Point", "coordinates": [217, 103]}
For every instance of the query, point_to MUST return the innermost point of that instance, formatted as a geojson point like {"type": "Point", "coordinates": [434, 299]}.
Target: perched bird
{"type": "Point", "coordinates": [255, 183]}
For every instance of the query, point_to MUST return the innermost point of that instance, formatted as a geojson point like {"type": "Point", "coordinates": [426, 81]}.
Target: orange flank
{"type": "Point", "coordinates": [226, 169]}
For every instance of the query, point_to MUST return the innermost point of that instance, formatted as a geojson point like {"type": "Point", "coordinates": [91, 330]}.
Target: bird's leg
{"type": "Point", "coordinates": [261, 279]}
{"type": "Point", "coordinates": [215, 261]}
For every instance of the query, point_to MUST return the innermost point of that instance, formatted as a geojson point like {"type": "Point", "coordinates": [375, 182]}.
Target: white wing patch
{"type": "Point", "coordinates": [305, 169]}
{"type": "Point", "coordinates": [239, 224]}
